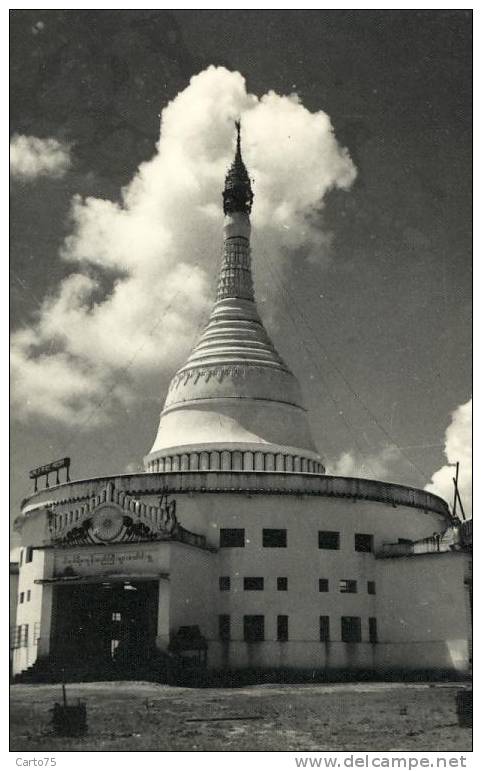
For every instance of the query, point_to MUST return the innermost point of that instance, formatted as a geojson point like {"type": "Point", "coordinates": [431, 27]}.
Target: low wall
{"type": "Point", "coordinates": [254, 482]}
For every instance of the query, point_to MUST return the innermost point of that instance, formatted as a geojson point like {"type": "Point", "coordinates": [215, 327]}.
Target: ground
{"type": "Point", "coordinates": [146, 716]}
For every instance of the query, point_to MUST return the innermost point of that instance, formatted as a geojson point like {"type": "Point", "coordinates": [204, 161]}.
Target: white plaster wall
{"type": "Point", "coordinates": [295, 655]}
{"type": "Point", "coordinates": [303, 563]}
{"type": "Point", "coordinates": [424, 611]}
{"type": "Point", "coordinates": [192, 581]}
{"type": "Point", "coordinates": [12, 606]}
{"type": "Point", "coordinates": [192, 595]}
{"type": "Point", "coordinates": [303, 516]}
{"type": "Point", "coordinates": [13, 596]}
{"type": "Point", "coordinates": [30, 611]}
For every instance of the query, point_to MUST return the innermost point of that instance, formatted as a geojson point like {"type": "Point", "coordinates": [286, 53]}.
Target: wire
{"type": "Point", "coordinates": [123, 371]}
{"type": "Point", "coordinates": [373, 417]}
{"type": "Point", "coordinates": [313, 360]}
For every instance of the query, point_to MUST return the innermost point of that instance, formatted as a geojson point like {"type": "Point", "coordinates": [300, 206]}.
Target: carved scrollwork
{"type": "Point", "coordinates": [204, 374]}
{"type": "Point", "coordinates": [113, 517]}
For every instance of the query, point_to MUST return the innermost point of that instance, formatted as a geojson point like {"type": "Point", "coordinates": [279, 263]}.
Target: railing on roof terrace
{"type": "Point", "coordinates": [435, 543]}
{"type": "Point", "coordinates": [186, 536]}
{"type": "Point", "coordinates": [394, 550]}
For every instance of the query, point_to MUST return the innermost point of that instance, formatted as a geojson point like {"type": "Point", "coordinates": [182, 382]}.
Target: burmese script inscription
{"type": "Point", "coordinates": [86, 562]}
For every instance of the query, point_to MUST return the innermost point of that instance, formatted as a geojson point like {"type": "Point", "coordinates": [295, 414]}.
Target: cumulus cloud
{"type": "Point", "coordinates": [158, 247]}
{"type": "Point", "coordinates": [379, 465]}
{"type": "Point", "coordinates": [31, 157]}
{"type": "Point", "coordinates": [458, 447]}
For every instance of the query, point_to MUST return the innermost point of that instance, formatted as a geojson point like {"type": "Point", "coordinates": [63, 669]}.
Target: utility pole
{"type": "Point", "coordinates": [456, 482]}
{"type": "Point", "coordinates": [457, 498]}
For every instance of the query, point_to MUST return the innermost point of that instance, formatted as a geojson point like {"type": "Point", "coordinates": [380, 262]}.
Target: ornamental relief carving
{"type": "Point", "coordinates": [112, 516]}
{"type": "Point", "coordinates": [206, 373]}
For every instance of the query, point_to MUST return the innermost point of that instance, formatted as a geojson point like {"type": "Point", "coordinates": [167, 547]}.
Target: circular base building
{"type": "Point", "coordinates": [234, 550]}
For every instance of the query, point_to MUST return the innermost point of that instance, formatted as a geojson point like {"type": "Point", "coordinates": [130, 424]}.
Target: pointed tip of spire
{"type": "Point", "coordinates": [237, 123]}
{"type": "Point", "coordinates": [237, 195]}
{"type": "Point", "coordinates": [238, 158]}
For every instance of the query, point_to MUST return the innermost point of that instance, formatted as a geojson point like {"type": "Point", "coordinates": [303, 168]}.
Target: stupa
{"type": "Point", "coordinates": [234, 400]}
{"type": "Point", "coordinates": [234, 553]}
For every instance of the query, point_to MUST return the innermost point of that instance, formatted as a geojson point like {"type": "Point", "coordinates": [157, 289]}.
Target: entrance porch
{"type": "Point", "coordinates": [106, 627]}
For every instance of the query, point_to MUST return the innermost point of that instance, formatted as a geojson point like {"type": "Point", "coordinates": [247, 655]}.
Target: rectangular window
{"type": "Point", "coordinates": [253, 584]}
{"type": "Point", "coordinates": [282, 628]}
{"type": "Point", "coordinates": [29, 554]}
{"type": "Point", "coordinates": [231, 537]}
{"type": "Point", "coordinates": [116, 616]}
{"type": "Point", "coordinates": [13, 637]}
{"type": "Point", "coordinates": [21, 597]}
{"type": "Point", "coordinates": [21, 636]}
{"type": "Point", "coordinates": [224, 622]}
{"type": "Point", "coordinates": [372, 630]}
{"type": "Point", "coordinates": [347, 586]}
{"type": "Point", "coordinates": [323, 585]}
{"type": "Point", "coordinates": [274, 538]}
{"type": "Point", "coordinates": [328, 539]}
{"type": "Point", "coordinates": [253, 628]}
{"type": "Point", "coordinates": [371, 587]}
{"type": "Point", "coordinates": [224, 583]}
{"type": "Point", "coordinates": [282, 584]}
{"type": "Point", "coordinates": [363, 542]}
{"type": "Point", "coordinates": [21, 557]}
{"type": "Point", "coordinates": [351, 629]}
{"type": "Point", "coordinates": [28, 595]}
{"type": "Point", "coordinates": [324, 628]}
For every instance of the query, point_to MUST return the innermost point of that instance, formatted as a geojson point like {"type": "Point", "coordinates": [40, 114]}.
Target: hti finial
{"type": "Point", "coordinates": [237, 195]}
{"type": "Point", "coordinates": [237, 123]}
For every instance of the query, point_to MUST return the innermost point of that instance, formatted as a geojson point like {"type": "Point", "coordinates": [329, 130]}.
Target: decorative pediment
{"type": "Point", "coordinates": [112, 516]}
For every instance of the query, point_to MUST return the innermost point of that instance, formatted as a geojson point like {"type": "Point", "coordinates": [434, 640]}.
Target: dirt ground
{"type": "Point", "coordinates": [128, 716]}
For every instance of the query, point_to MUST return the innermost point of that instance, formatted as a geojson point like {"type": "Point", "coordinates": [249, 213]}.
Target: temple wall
{"type": "Point", "coordinates": [333, 656]}
{"type": "Point", "coordinates": [29, 611]}
{"type": "Point", "coordinates": [193, 588]}
{"type": "Point", "coordinates": [423, 606]}
{"type": "Point", "coordinates": [303, 516]}
{"type": "Point", "coordinates": [13, 602]}
{"type": "Point", "coordinates": [250, 483]}
{"type": "Point", "coordinates": [420, 603]}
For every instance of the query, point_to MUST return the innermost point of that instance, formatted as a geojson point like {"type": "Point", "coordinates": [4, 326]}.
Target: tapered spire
{"type": "Point", "coordinates": [235, 332]}
{"type": "Point", "coordinates": [235, 279]}
{"type": "Point", "coordinates": [237, 194]}
{"type": "Point", "coordinates": [234, 397]}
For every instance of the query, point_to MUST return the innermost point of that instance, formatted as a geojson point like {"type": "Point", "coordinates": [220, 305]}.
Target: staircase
{"type": "Point", "coordinates": [54, 670]}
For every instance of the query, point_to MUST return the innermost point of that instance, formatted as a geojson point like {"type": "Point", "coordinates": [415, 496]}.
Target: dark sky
{"type": "Point", "coordinates": [389, 345]}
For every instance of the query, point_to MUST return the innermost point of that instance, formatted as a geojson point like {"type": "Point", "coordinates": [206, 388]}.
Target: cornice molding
{"type": "Point", "coordinates": [242, 483]}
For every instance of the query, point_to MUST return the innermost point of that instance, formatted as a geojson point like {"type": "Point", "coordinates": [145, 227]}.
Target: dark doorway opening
{"type": "Point", "coordinates": [105, 627]}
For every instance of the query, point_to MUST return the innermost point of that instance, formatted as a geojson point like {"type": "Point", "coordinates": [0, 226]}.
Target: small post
{"type": "Point", "coordinates": [461, 506]}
